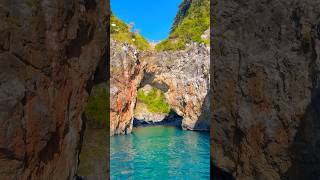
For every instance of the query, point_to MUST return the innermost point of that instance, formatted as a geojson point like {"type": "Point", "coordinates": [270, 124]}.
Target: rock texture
{"type": "Point", "coordinates": [126, 74]}
{"type": "Point", "coordinates": [184, 76]}
{"type": "Point", "coordinates": [49, 51]}
{"type": "Point", "coordinates": [266, 88]}
{"type": "Point", "coordinates": [143, 114]}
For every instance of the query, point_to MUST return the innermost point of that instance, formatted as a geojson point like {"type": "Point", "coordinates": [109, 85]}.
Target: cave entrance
{"type": "Point", "coordinates": [172, 119]}
{"type": "Point", "coordinates": [148, 79]}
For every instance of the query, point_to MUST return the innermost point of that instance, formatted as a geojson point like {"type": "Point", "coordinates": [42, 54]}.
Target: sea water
{"type": "Point", "coordinates": [160, 152]}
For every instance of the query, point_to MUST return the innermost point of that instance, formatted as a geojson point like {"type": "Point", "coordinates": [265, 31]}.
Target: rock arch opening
{"type": "Point", "coordinates": [148, 78]}
{"type": "Point", "coordinates": [182, 77]}
{"type": "Point", "coordinates": [152, 107]}
{"type": "Point", "coordinates": [158, 111]}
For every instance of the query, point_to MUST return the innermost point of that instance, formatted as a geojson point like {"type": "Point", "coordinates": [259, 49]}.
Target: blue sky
{"type": "Point", "coordinates": [153, 18]}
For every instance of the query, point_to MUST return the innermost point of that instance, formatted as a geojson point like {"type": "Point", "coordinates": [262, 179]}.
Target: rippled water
{"type": "Point", "coordinates": [160, 152]}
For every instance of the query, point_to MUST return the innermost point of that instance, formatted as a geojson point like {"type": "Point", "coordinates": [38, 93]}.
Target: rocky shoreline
{"type": "Point", "coordinates": [171, 120]}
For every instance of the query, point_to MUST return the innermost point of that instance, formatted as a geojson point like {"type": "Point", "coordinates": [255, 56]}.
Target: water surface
{"type": "Point", "coordinates": [160, 152]}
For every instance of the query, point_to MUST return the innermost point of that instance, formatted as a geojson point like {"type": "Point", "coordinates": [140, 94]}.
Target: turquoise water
{"type": "Point", "coordinates": [160, 152]}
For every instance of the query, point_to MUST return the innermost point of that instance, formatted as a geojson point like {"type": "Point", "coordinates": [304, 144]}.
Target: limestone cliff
{"type": "Point", "coordinates": [184, 76]}
{"type": "Point", "coordinates": [181, 72]}
{"type": "Point", "coordinates": [266, 89]}
{"type": "Point", "coordinates": [126, 73]}
{"type": "Point", "coordinates": [49, 51]}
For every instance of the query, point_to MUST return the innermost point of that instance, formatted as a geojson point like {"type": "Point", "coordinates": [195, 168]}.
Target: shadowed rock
{"type": "Point", "coordinates": [49, 51]}
{"type": "Point", "coordinates": [265, 82]}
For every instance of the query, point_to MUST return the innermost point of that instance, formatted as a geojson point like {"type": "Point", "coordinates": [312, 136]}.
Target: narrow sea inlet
{"type": "Point", "coordinates": [160, 152]}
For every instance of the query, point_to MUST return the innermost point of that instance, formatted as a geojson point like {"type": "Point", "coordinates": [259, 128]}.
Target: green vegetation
{"type": "Point", "coordinates": [122, 32]}
{"type": "Point", "coordinates": [98, 105]}
{"type": "Point", "coordinates": [154, 100]}
{"type": "Point", "coordinates": [188, 28]}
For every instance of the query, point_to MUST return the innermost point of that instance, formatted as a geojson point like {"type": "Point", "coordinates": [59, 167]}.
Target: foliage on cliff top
{"type": "Point", "coordinates": [122, 32]}
{"type": "Point", "coordinates": [154, 100]}
{"type": "Point", "coordinates": [192, 20]}
{"type": "Point", "coordinates": [98, 105]}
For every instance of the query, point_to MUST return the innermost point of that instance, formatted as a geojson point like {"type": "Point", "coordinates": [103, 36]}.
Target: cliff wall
{"type": "Point", "coordinates": [184, 77]}
{"type": "Point", "coordinates": [266, 88]}
{"type": "Point", "coordinates": [49, 52]}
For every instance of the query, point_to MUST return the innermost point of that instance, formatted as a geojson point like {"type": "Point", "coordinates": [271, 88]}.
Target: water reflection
{"type": "Point", "coordinates": [160, 152]}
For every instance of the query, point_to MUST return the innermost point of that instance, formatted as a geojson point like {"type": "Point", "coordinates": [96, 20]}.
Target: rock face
{"type": "Point", "coordinates": [266, 89]}
{"type": "Point", "coordinates": [126, 74]}
{"type": "Point", "coordinates": [184, 76]}
{"type": "Point", "coordinates": [143, 114]}
{"type": "Point", "coordinates": [49, 51]}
